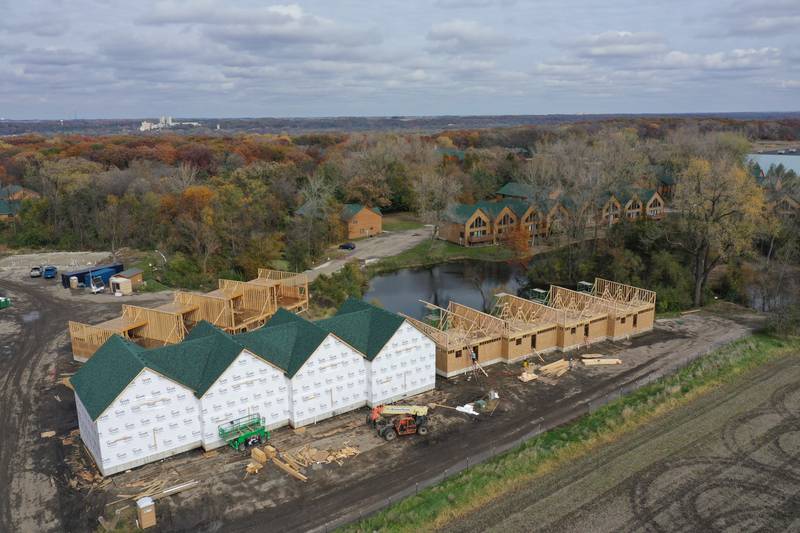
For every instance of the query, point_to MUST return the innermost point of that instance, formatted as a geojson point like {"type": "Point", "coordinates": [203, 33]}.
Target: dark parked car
{"type": "Point", "coordinates": [347, 246]}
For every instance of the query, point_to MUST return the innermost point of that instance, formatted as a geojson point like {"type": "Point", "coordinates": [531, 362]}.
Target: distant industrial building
{"type": "Point", "coordinates": [165, 123]}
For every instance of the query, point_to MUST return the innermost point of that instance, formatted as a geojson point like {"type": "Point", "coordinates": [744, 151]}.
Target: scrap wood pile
{"type": "Point", "coordinates": [153, 488]}
{"type": "Point", "coordinates": [83, 475]}
{"type": "Point", "coordinates": [308, 455]}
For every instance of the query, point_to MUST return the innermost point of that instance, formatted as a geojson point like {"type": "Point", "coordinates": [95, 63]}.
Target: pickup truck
{"type": "Point", "coordinates": [49, 272]}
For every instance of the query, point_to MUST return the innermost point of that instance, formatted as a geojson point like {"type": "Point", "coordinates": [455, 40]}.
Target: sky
{"type": "Point", "coordinates": [63, 59]}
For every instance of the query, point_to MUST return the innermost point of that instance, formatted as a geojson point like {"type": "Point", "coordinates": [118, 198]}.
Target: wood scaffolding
{"type": "Point", "coordinates": [235, 306]}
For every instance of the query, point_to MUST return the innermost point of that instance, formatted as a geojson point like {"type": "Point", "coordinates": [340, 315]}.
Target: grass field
{"type": "Point", "coordinates": [401, 222]}
{"type": "Point", "coordinates": [431, 252]}
{"type": "Point", "coordinates": [475, 488]}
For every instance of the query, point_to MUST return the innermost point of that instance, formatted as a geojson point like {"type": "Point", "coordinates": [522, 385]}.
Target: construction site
{"type": "Point", "coordinates": [517, 328]}
{"type": "Point", "coordinates": [308, 444]}
{"type": "Point", "coordinates": [235, 307]}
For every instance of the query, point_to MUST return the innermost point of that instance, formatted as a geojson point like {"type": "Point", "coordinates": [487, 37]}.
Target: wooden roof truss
{"type": "Point", "coordinates": [621, 294]}
{"type": "Point", "coordinates": [581, 306]}
{"type": "Point", "coordinates": [521, 315]}
{"type": "Point", "coordinates": [459, 327]}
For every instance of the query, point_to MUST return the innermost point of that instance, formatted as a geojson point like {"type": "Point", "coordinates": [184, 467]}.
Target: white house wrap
{"type": "Point", "coordinates": [136, 406]}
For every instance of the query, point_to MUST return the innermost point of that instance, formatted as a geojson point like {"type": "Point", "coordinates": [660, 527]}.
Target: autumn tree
{"type": "Point", "coordinates": [718, 205]}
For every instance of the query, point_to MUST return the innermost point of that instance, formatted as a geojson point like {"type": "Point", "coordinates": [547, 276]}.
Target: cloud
{"type": "Point", "coordinates": [214, 13]}
{"type": "Point", "coordinates": [457, 4]}
{"type": "Point", "coordinates": [618, 44]}
{"type": "Point", "coordinates": [738, 59]}
{"type": "Point", "coordinates": [756, 18]}
{"type": "Point", "coordinates": [467, 37]}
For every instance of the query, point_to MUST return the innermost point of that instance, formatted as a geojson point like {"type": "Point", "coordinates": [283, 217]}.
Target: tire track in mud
{"type": "Point", "coordinates": [713, 474]}
{"type": "Point", "coordinates": [698, 485]}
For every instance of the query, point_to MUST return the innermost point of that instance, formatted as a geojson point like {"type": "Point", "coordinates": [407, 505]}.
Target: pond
{"type": "Point", "coordinates": [789, 161]}
{"type": "Point", "coordinates": [467, 282]}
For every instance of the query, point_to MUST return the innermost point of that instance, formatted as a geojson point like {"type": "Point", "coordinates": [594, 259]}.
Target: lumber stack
{"type": "Point", "coordinates": [597, 362]}
{"type": "Point", "coordinates": [525, 377]}
{"type": "Point", "coordinates": [258, 456]}
{"type": "Point", "coordinates": [555, 370]}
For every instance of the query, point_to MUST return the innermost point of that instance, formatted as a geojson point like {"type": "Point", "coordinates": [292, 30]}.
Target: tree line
{"type": "Point", "coordinates": [227, 205]}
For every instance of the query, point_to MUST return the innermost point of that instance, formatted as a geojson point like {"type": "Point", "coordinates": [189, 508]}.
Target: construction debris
{"type": "Point", "coordinates": [253, 468]}
{"type": "Point", "coordinates": [525, 377]}
{"type": "Point", "coordinates": [555, 370]}
{"type": "Point", "coordinates": [289, 469]}
{"type": "Point", "coordinates": [595, 362]}
{"type": "Point", "coordinates": [48, 434]}
{"type": "Point", "coordinates": [591, 356]}
{"type": "Point", "coordinates": [468, 409]}
{"type": "Point", "coordinates": [307, 455]}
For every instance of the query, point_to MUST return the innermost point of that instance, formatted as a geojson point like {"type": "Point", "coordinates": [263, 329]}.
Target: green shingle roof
{"type": "Point", "coordinates": [9, 207]}
{"type": "Point", "coordinates": [363, 326]}
{"type": "Point", "coordinates": [462, 212]}
{"type": "Point", "coordinates": [350, 210]}
{"type": "Point", "coordinates": [518, 190]}
{"type": "Point", "coordinates": [112, 367]}
{"type": "Point", "coordinates": [286, 341]}
{"type": "Point", "coordinates": [195, 363]}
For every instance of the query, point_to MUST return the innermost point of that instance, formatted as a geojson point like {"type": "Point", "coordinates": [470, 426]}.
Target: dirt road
{"type": "Point", "coordinates": [33, 351]}
{"type": "Point", "coordinates": [730, 461]}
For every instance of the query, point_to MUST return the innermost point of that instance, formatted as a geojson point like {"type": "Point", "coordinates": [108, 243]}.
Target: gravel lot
{"type": "Point", "coordinates": [386, 244]}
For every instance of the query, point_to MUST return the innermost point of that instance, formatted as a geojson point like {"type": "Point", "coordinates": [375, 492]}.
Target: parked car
{"type": "Point", "coordinates": [347, 246]}
{"type": "Point", "coordinates": [49, 272]}
{"type": "Point", "coordinates": [36, 272]}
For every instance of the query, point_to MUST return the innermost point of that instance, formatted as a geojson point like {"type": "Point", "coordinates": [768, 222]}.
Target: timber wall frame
{"type": "Point", "coordinates": [87, 339]}
{"type": "Point", "coordinates": [235, 306]}
{"type": "Point", "coordinates": [161, 326]}
{"type": "Point", "coordinates": [292, 288]}
{"type": "Point", "coordinates": [570, 319]}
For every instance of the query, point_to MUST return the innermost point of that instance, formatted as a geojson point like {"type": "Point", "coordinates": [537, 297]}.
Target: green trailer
{"type": "Point", "coordinates": [5, 302]}
{"type": "Point", "coordinates": [244, 431]}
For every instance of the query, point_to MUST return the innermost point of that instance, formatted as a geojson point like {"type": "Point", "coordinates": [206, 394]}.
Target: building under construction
{"type": "Point", "coordinates": [467, 339]}
{"type": "Point", "coordinates": [234, 307]}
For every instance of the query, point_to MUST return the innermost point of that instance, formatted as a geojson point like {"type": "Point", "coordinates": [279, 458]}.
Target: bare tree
{"type": "Point", "coordinates": [435, 194]}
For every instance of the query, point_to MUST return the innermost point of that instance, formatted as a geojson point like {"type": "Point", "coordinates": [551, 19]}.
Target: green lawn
{"type": "Point", "coordinates": [401, 222]}
{"type": "Point", "coordinates": [431, 252]}
{"type": "Point", "coordinates": [478, 486]}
